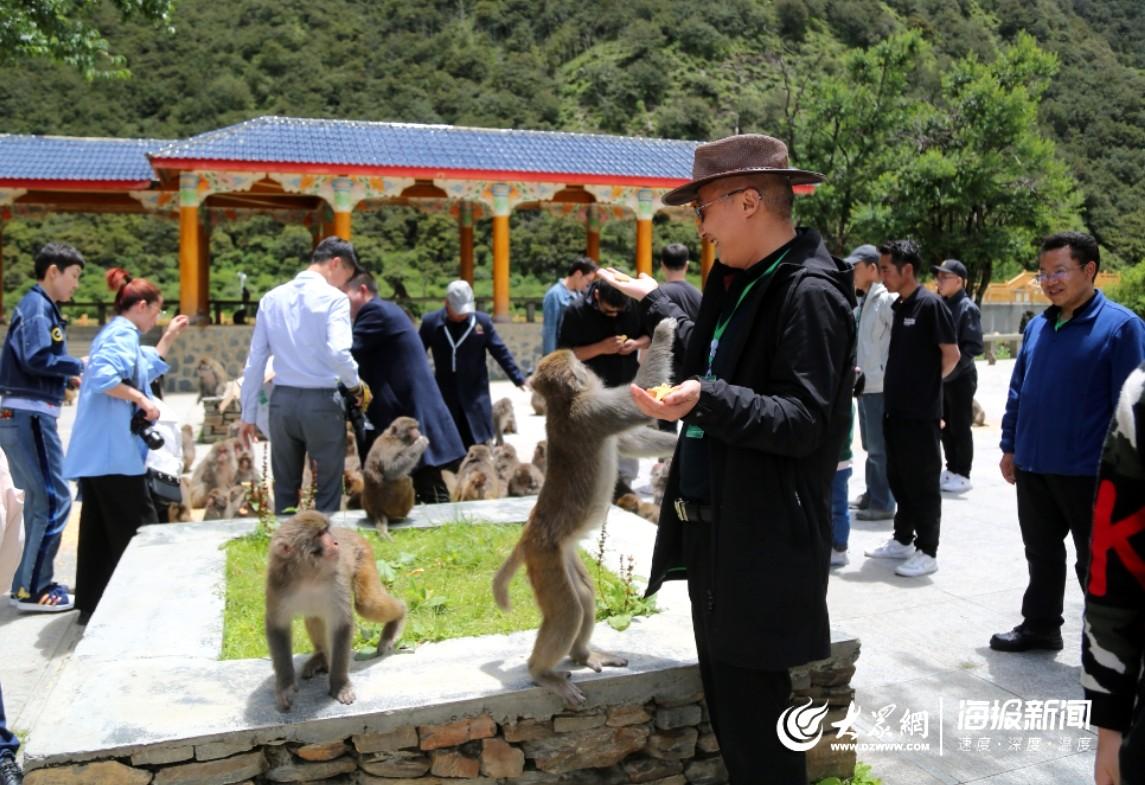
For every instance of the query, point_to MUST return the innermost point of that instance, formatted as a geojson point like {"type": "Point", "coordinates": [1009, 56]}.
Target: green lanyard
{"type": "Point", "coordinates": [722, 324]}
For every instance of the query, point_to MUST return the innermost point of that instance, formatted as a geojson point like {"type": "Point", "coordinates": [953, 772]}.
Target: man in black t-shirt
{"type": "Point", "coordinates": [674, 267]}
{"type": "Point", "coordinates": [922, 352]}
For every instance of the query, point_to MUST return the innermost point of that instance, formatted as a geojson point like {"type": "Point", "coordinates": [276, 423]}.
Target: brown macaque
{"type": "Point", "coordinates": [505, 462]}
{"type": "Point", "coordinates": [633, 503]}
{"type": "Point", "coordinates": [587, 427]}
{"type": "Point", "coordinates": [246, 471]}
{"type": "Point", "coordinates": [477, 476]}
{"type": "Point", "coordinates": [187, 439]}
{"type": "Point", "coordinates": [978, 414]}
{"type": "Point", "coordinates": [540, 455]}
{"type": "Point", "coordinates": [538, 403]}
{"type": "Point", "coordinates": [387, 488]}
{"type": "Point", "coordinates": [526, 480]}
{"type": "Point", "coordinates": [218, 505]}
{"type": "Point", "coordinates": [217, 470]}
{"type": "Point", "coordinates": [660, 479]}
{"type": "Point", "coordinates": [317, 572]}
{"type": "Point", "coordinates": [353, 483]}
{"type": "Point", "coordinates": [504, 421]}
{"type": "Point", "coordinates": [212, 378]}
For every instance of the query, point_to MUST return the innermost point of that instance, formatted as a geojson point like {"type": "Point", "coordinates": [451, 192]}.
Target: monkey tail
{"type": "Point", "coordinates": [503, 576]}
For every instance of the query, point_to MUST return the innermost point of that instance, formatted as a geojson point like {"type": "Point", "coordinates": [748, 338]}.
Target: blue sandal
{"type": "Point", "coordinates": [54, 599]}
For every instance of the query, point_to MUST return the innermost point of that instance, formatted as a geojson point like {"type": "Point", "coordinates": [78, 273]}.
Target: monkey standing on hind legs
{"type": "Point", "coordinates": [316, 571]}
{"type": "Point", "coordinates": [586, 427]}
{"type": "Point", "coordinates": [387, 488]}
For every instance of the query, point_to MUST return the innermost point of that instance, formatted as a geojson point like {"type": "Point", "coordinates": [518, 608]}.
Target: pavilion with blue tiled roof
{"type": "Point", "coordinates": [317, 172]}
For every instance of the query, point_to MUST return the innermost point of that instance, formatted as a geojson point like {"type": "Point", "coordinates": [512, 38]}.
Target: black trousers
{"type": "Point", "coordinates": [958, 412]}
{"type": "Point", "coordinates": [914, 463]}
{"type": "Point", "coordinates": [114, 507]}
{"type": "Point", "coordinates": [744, 704]}
{"type": "Point", "coordinates": [1050, 506]}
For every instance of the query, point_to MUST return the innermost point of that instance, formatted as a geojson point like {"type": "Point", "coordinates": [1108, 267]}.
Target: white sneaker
{"type": "Point", "coordinates": [917, 565]}
{"type": "Point", "coordinates": [944, 477]}
{"type": "Point", "coordinates": [892, 549]}
{"type": "Point", "coordinates": [956, 483]}
{"type": "Point", "coordinates": [838, 558]}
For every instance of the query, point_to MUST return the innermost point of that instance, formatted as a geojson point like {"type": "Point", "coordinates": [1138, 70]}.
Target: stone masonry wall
{"type": "Point", "coordinates": [661, 741]}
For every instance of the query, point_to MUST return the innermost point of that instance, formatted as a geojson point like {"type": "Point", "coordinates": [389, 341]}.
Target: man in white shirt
{"type": "Point", "coordinates": [305, 325]}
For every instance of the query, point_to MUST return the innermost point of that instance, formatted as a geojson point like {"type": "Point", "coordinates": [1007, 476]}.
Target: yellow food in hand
{"type": "Point", "coordinates": [622, 338]}
{"type": "Point", "coordinates": [660, 391]}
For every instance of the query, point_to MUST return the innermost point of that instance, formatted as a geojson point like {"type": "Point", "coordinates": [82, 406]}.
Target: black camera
{"type": "Point", "coordinates": [141, 427]}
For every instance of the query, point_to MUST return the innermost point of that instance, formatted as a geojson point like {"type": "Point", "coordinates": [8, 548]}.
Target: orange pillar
{"type": "Point", "coordinates": [343, 207]}
{"type": "Point", "coordinates": [500, 252]}
{"type": "Point", "coordinates": [592, 233]}
{"type": "Point", "coordinates": [707, 258]}
{"type": "Point", "coordinates": [644, 209]}
{"type": "Point", "coordinates": [465, 228]}
{"type": "Point", "coordinates": [203, 307]}
{"type": "Point", "coordinates": [189, 260]}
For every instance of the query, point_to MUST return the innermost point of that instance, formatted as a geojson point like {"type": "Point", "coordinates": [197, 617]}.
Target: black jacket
{"type": "Point", "coordinates": [776, 417]}
{"type": "Point", "coordinates": [392, 361]}
{"type": "Point", "coordinates": [466, 391]}
{"type": "Point", "coordinates": [967, 330]}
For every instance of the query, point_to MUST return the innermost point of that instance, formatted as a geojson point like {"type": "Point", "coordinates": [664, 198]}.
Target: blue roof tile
{"type": "Point", "coordinates": [435, 147]}
{"type": "Point", "coordinates": [24, 157]}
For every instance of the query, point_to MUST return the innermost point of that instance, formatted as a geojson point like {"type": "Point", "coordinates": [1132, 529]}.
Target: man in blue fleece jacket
{"type": "Point", "coordinates": [1066, 381]}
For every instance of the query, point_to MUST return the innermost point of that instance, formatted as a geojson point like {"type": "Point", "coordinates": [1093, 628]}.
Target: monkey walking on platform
{"type": "Point", "coordinates": [587, 427]}
{"type": "Point", "coordinates": [317, 572]}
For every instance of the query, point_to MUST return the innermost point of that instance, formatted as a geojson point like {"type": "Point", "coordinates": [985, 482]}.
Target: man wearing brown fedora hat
{"type": "Point", "coordinates": [767, 374]}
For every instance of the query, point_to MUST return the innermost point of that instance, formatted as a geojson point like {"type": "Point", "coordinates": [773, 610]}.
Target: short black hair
{"type": "Point", "coordinates": [1082, 248]}
{"type": "Point", "coordinates": [674, 256]}
{"type": "Point", "coordinates": [610, 294]}
{"type": "Point", "coordinates": [582, 264]}
{"type": "Point", "coordinates": [61, 255]}
{"type": "Point", "coordinates": [363, 279]}
{"type": "Point", "coordinates": [335, 246]}
{"type": "Point", "coordinates": [902, 253]}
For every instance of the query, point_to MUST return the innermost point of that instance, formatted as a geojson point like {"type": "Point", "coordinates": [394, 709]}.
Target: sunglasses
{"type": "Point", "coordinates": [699, 208]}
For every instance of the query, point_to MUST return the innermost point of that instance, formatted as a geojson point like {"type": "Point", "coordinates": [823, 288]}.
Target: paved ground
{"type": "Point", "coordinates": [924, 641]}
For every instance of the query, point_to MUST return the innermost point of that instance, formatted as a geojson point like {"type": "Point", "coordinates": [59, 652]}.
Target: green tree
{"type": "Point", "coordinates": [68, 31]}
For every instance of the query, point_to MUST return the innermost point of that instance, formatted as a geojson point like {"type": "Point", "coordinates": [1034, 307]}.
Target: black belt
{"type": "Point", "coordinates": [694, 512]}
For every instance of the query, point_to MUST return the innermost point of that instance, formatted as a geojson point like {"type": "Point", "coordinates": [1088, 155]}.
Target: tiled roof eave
{"type": "Point", "coordinates": [61, 184]}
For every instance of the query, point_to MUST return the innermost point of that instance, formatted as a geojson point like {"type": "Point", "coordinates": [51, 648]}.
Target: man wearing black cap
{"type": "Point", "coordinates": [305, 325]}
{"type": "Point", "coordinates": [959, 387]}
{"type": "Point", "coordinates": [765, 402]}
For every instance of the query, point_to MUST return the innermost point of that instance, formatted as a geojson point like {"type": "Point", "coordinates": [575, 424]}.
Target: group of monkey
{"type": "Point", "coordinates": [324, 574]}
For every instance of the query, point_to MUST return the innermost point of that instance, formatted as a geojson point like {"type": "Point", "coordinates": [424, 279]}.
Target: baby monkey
{"type": "Point", "coordinates": [318, 572]}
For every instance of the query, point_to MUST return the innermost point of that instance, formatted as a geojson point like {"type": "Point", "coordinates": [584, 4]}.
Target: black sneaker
{"type": "Point", "coordinates": [1021, 639]}
{"type": "Point", "coordinates": [10, 773]}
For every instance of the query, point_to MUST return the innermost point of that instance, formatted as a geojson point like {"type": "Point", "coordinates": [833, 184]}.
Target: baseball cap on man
{"type": "Point", "coordinates": [952, 266]}
{"type": "Point", "coordinates": [459, 296]}
{"type": "Point", "coordinates": [864, 253]}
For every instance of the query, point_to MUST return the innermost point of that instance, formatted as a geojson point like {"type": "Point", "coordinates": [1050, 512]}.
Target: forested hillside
{"type": "Point", "coordinates": [896, 100]}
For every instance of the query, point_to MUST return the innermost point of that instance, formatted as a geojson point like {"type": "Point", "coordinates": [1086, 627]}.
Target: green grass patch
{"type": "Point", "coordinates": [443, 574]}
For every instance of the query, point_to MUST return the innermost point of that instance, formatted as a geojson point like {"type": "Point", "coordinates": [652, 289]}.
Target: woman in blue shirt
{"type": "Point", "coordinates": [104, 456]}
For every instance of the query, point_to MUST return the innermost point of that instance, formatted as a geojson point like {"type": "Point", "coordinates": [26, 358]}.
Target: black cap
{"type": "Point", "coordinates": [952, 266]}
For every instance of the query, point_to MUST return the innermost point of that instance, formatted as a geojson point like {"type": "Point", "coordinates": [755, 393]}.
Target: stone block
{"type": "Point", "coordinates": [566, 723]}
{"type": "Point", "coordinates": [642, 769]}
{"type": "Point", "coordinates": [322, 752]}
{"type": "Point", "coordinates": [105, 772]}
{"type": "Point", "coordinates": [527, 730]}
{"type": "Point", "coordinates": [671, 701]}
{"type": "Point", "coordinates": [308, 772]}
{"type": "Point", "coordinates": [160, 756]}
{"type": "Point", "coordinates": [634, 714]}
{"type": "Point", "coordinates": [451, 734]}
{"type": "Point", "coordinates": [612, 775]}
{"type": "Point", "coordinates": [710, 771]}
{"type": "Point", "coordinates": [675, 779]}
{"type": "Point", "coordinates": [832, 677]}
{"type": "Point", "coordinates": [366, 779]}
{"type": "Point", "coordinates": [822, 761]}
{"type": "Point", "coordinates": [590, 749]}
{"type": "Point", "coordinates": [707, 743]}
{"type": "Point", "coordinates": [214, 772]}
{"type": "Point", "coordinates": [399, 763]}
{"type": "Point", "coordinates": [678, 744]}
{"type": "Point", "coordinates": [454, 764]}
{"type": "Point", "coordinates": [219, 749]}
{"type": "Point", "coordinates": [402, 738]}
{"type": "Point", "coordinates": [678, 717]}
{"type": "Point", "coordinates": [501, 759]}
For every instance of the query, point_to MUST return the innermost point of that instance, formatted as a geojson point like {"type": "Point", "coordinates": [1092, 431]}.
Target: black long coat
{"type": "Point", "coordinates": [466, 391]}
{"type": "Point", "coordinates": [775, 419]}
{"type": "Point", "coordinates": [392, 361]}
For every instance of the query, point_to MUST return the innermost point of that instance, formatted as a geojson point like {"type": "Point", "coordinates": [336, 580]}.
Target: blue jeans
{"type": "Point", "coordinates": [8, 741]}
{"type": "Point", "coordinates": [840, 511]}
{"type": "Point", "coordinates": [35, 458]}
{"type": "Point", "coordinates": [871, 407]}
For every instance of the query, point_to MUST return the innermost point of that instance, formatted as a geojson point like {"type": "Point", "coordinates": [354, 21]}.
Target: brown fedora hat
{"type": "Point", "coordinates": [734, 155]}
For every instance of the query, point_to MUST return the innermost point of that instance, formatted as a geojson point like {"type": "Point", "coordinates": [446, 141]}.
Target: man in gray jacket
{"type": "Point", "coordinates": [875, 319]}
